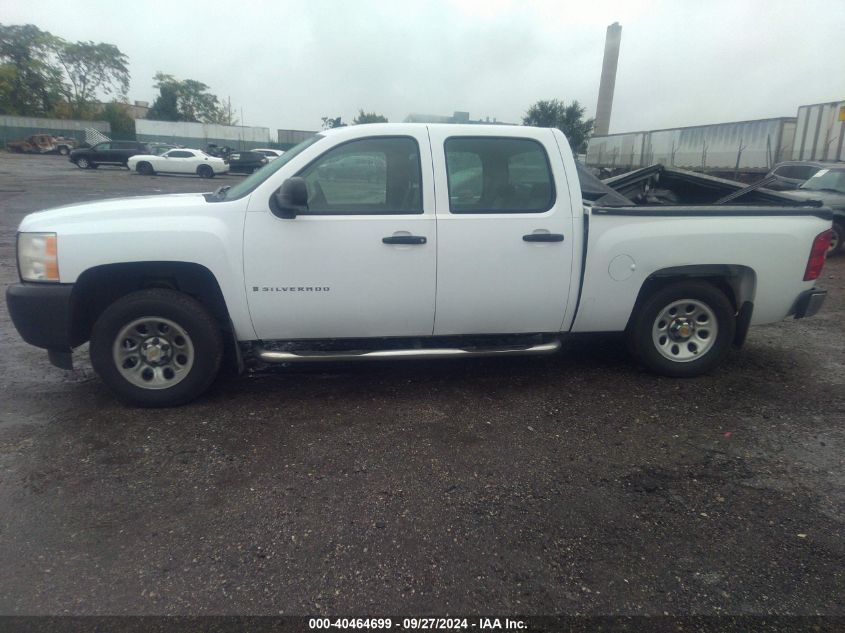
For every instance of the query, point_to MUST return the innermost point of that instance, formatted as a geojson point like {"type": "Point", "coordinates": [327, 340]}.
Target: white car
{"type": "Point", "coordinates": [179, 161]}
{"type": "Point", "coordinates": [271, 154]}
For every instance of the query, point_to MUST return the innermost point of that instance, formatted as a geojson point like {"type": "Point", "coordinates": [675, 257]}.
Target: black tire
{"type": "Point", "coordinates": [83, 163]}
{"type": "Point", "coordinates": [204, 340]}
{"type": "Point", "coordinates": [144, 168]}
{"type": "Point", "coordinates": [204, 171]}
{"type": "Point", "coordinates": [645, 333]}
{"type": "Point", "coordinates": [837, 241]}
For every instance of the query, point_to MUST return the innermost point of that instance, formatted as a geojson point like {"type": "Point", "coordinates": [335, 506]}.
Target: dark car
{"type": "Point", "coordinates": [107, 153]}
{"type": "Point", "coordinates": [246, 162]}
{"type": "Point", "coordinates": [828, 185]}
{"type": "Point", "coordinates": [791, 174]}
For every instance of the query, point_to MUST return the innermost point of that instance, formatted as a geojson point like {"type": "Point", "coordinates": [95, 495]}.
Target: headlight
{"type": "Point", "coordinates": [37, 257]}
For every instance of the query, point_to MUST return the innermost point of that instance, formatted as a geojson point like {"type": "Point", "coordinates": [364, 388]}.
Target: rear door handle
{"type": "Point", "coordinates": [404, 239]}
{"type": "Point", "coordinates": [543, 237]}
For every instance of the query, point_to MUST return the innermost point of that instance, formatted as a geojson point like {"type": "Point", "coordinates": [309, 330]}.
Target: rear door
{"type": "Point", "coordinates": [504, 232]}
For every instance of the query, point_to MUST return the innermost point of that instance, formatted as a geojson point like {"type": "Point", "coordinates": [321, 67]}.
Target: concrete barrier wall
{"type": "Point", "coordinates": [199, 135]}
{"type": "Point", "coordinates": [13, 128]}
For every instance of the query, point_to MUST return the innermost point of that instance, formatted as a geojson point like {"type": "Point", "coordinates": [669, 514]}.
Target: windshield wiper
{"type": "Point", "coordinates": [220, 192]}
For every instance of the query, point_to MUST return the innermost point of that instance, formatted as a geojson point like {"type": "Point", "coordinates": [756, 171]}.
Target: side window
{"type": "Point", "coordinates": [179, 154]}
{"type": "Point", "coordinates": [805, 172]}
{"type": "Point", "coordinates": [498, 175]}
{"type": "Point", "coordinates": [367, 176]}
{"type": "Point", "coordinates": [102, 146]}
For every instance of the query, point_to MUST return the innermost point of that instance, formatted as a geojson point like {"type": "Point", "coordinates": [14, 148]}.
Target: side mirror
{"type": "Point", "coordinates": [290, 199]}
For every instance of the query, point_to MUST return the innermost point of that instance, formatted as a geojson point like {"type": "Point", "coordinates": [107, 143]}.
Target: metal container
{"type": "Point", "coordinates": [742, 146]}
{"type": "Point", "coordinates": [820, 132]}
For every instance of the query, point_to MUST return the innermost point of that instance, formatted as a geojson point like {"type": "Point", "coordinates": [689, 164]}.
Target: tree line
{"type": "Point", "coordinates": [552, 113]}
{"type": "Point", "coordinates": [42, 74]}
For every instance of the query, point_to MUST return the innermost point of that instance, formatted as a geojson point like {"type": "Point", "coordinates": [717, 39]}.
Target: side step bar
{"type": "Point", "coordinates": [269, 356]}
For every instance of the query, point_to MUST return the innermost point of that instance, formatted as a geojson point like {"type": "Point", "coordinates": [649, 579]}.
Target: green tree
{"type": "Point", "coordinates": [193, 101]}
{"type": "Point", "coordinates": [30, 84]}
{"type": "Point", "coordinates": [225, 114]}
{"type": "Point", "coordinates": [90, 70]}
{"type": "Point", "coordinates": [166, 105]}
{"type": "Point", "coordinates": [332, 122]}
{"type": "Point", "coordinates": [368, 117]}
{"type": "Point", "coordinates": [121, 122]}
{"type": "Point", "coordinates": [569, 119]}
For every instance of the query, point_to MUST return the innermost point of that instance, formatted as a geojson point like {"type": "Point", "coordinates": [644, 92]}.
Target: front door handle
{"type": "Point", "coordinates": [404, 239]}
{"type": "Point", "coordinates": [543, 237]}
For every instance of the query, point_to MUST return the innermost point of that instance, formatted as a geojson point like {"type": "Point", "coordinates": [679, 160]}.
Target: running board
{"type": "Point", "coordinates": [269, 356]}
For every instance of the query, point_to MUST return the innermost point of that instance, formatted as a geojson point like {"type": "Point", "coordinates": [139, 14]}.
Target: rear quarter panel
{"type": "Point", "coordinates": [774, 248]}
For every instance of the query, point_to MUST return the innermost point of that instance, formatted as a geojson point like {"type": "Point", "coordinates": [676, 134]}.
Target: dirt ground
{"type": "Point", "coordinates": [575, 484]}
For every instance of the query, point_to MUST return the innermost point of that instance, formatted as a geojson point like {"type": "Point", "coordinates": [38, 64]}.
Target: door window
{"type": "Point", "coordinates": [179, 154]}
{"type": "Point", "coordinates": [368, 176]}
{"type": "Point", "coordinates": [498, 175]}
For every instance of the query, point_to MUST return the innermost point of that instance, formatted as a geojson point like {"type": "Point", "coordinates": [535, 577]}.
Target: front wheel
{"type": "Point", "coordinates": [145, 169]}
{"type": "Point", "coordinates": [683, 329]}
{"type": "Point", "coordinates": [83, 163]}
{"type": "Point", "coordinates": [156, 348]}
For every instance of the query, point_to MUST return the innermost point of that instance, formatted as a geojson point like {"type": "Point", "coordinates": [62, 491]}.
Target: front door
{"type": "Point", "coordinates": [361, 261]}
{"type": "Point", "coordinates": [504, 233]}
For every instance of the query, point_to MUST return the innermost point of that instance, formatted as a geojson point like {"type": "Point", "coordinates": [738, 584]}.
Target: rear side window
{"type": "Point", "coordinates": [498, 175]}
{"type": "Point", "coordinates": [179, 154]}
{"type": "Point", "coordinates": [379, 175]}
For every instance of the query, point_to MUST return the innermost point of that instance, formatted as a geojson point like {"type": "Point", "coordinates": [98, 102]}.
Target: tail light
{"type": "Point", "coordinates": [817, 254]}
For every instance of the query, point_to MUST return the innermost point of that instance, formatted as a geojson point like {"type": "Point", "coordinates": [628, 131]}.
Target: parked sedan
{"type": "Point", "coordinates": [179, 161]}
{"type": "Point", "coordinates": [271, 154]}
{"type": "Point", "coordinates": [792, 174]}
{"type": "Point", "coordinates": [246, 162]}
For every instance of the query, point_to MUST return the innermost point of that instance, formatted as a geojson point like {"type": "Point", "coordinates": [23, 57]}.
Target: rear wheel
{"type": "Point", "coordinates": [156, 348]}
{"type": "Point", "coordinates": [145, 169]}
{"type": "Point", "coordinates": [204, 171]}
{"type": "Point", "coordinates": [837, 239]}
{"type": "Point", "coordinates": [683, 329]}
{"type": "Point", "coordinates": [64, 150]}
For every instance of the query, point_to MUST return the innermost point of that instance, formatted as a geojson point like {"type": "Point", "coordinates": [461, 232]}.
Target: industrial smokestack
{"type": "Point", "coordinates": [608, 79]}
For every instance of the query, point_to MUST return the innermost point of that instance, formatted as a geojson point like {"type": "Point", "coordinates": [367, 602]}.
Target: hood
{"type": "Point", "coordinates": [115, 208]}
{"type": "Point", "coordinates": [828, 198]}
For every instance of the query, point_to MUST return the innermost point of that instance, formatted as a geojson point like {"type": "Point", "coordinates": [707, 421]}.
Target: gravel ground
{"type": "Point", "coordinates": [570, 484]}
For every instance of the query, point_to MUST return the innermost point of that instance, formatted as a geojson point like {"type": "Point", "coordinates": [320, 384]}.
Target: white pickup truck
{"type": "Point", "coordinates": [403, 241]}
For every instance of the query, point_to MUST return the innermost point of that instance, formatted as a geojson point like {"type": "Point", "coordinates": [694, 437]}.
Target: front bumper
{"type": "Point", "coordinates": [42, 314]}
{"type": "Point", "coordinates": [809, 302]}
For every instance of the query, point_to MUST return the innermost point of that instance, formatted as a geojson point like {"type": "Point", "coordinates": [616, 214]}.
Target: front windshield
{"type": "Point", "coordinates": [248, 185]}
{"type": "Point", "coordinates": [826, 180]}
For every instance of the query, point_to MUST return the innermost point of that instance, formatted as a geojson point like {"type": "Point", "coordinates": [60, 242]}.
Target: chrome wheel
{"type": "Point", "coordinates": [153, 353]}
{"type": "Point", "coordinates": [83, 163]}
{"type": "Point", "coordinates": [685, 330]}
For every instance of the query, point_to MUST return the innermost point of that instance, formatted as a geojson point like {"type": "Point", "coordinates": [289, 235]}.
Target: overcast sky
{"type": "Point", "coordinates": [286, 64]}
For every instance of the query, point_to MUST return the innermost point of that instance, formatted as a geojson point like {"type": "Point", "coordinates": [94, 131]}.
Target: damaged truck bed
{"type": "Point", "coordinates": [658, 185]}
